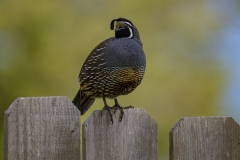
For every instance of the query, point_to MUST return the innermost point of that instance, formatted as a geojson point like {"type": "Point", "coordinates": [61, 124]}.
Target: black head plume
{"type": "Point", "coordinates": [124, 19]}
{"type": "Point", "coordinates": [112, 24]}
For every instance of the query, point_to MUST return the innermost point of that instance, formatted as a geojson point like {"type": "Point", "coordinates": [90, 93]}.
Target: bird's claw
{"type": "Point", "coordinates": [106, 107]}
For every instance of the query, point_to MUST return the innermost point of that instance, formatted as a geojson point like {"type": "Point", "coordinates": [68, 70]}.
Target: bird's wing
{"type": "Point", "coordinates": [92, 67]}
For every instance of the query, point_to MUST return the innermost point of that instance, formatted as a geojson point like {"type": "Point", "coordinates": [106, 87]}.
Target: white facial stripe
{"type": "Point", "coordinates": [131, 33]}
{"type": "Point", "coordinates": [130, 29]}
{"type": "Point", "coordinates": [128, 23]}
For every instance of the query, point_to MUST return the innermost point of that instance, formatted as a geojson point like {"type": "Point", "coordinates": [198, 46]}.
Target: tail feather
{"type": "Point", "coordinates": [82, 102]}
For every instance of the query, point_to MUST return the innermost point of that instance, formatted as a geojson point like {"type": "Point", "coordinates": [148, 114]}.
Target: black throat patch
{"type": "Point", "coordinates": [123, 33]}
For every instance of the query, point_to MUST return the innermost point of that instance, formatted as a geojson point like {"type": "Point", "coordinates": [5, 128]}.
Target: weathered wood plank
{"type": "Point", "coordinates": [135, 138]}
{"type": "Point", "coordinates": [205, 138]}
{"type": "Point", "coordinates": [45, 128]}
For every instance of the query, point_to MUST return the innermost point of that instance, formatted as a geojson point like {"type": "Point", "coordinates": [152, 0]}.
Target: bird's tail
{"type": "Point", "coordinates": [82, 102]}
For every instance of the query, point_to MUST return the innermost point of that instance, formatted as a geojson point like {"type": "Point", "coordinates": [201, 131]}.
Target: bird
{"type": "Point", "coordinates": [113, 68]}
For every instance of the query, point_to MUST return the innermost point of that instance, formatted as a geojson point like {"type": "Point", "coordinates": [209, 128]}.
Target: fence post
{"type": "Point", "coordinates": [205, 138]}
{"type": "Point", "coordinates": [44, 128]}
{"type": "Point", "coordinates": [134, 138]}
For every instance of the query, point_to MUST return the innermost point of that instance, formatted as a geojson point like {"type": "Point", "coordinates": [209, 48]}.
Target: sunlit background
{"type": "Point", "coordinates": [192, 49]}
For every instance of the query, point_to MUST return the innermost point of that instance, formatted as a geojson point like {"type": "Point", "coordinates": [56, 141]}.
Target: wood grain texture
{"type": "Point", "coordinates": [205, 138]}
{"type": "Point", "coordinates": [42, 128]}
{"type": "Point", "coordinates": [135, 138]}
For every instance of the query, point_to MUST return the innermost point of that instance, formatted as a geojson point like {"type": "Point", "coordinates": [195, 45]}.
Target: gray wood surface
{"type": "Point", "coordinates": [135, 138]}
{"type": "Point", "coordinates": [45, 128]}
{"type": "Point", "coordinates": [205, 138]}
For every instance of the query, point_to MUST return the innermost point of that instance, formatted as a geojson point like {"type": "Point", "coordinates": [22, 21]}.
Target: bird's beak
{"type": "Point", "coordinates": [117, 29]}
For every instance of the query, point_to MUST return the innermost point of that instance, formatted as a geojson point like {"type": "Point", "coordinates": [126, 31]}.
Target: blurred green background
{"type": "Point", "coordinates": [43, 45]}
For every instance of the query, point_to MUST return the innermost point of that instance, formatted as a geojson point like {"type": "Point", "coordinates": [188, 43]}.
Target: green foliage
{"type": "Point", "coordinates": [44, 43]}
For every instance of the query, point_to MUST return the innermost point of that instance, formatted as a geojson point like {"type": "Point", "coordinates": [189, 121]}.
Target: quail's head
{"type": "Point", "coordinates": [123, 28]}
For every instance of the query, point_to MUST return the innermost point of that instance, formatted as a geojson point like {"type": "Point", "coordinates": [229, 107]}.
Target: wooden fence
{"type": "Point", "coordinates": [48, 128]}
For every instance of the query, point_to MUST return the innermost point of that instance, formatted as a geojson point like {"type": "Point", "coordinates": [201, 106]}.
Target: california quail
{"type": "Point", "coordinates": [115, 67]}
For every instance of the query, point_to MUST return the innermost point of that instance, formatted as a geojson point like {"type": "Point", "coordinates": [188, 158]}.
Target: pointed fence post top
{"type": "Point", "coordinates": [135, 137]}
{"type": "Point", "coordinates": [129, 115]}
{"type": "Point", "coordinates": [191, 120]}
{"type": "Point", "coordinates": [54, 100]}
{"type": "Point", "coordinates": [46, 127]}
{"type": "Point", "coordinates": [205, 138]}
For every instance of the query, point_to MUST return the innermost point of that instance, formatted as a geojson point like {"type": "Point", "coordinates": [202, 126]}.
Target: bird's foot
{"type": "Point", "coordinates": [118, 107]}
{"type": "Point", "coordinates": [106, 107]}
